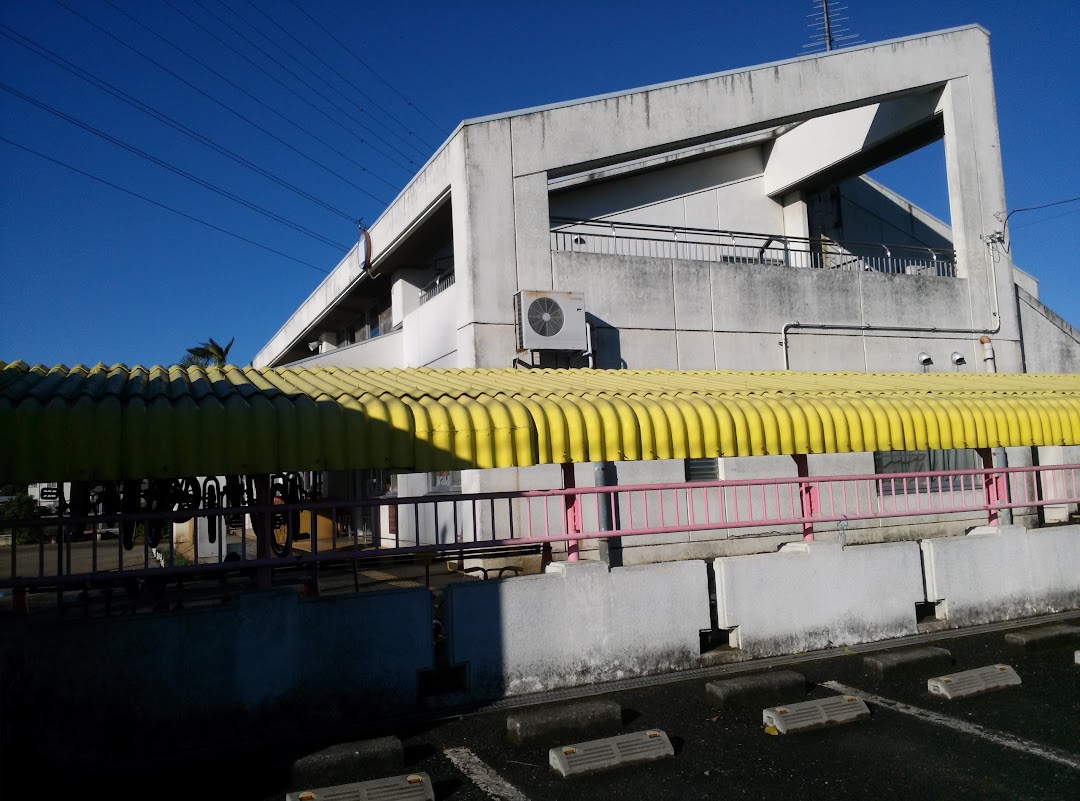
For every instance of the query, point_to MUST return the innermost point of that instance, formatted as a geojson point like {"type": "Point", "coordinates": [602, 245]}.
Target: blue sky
{"type": "Point", "coordinates": [320, 118]}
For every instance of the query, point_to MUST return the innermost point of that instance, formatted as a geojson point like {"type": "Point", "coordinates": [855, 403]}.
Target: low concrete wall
{"type": "Point", "coordinates": [268, 666]}
{"type": "Point", "coordinates": [1003, 573]}
{"type": "Point", "coordinates": [812, 595]}
{"type": "Point", "coordinates": [576, 624]}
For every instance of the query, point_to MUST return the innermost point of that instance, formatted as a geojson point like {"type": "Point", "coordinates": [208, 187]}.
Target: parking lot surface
{"type": "Point", "coordinates": [1016, 743]}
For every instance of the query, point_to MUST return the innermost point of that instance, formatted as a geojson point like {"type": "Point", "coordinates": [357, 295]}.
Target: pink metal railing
{"type": "Point", "coordinates": [50, 552]}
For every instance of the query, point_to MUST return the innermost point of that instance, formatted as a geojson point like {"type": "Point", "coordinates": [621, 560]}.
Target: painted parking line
{"type": "Point", "coordinates": [973, 729]}
{"type": "Point", "coordinates": [483, 776]}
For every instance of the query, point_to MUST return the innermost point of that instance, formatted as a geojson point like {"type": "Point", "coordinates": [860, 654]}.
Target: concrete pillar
{"type": "Point", "coordinates": [405, 292]}
{"type": "Point", "coordinates": [533, 239]}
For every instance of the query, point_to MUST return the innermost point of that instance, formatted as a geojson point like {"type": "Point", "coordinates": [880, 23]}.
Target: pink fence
{"type": "Point", "coordinates": [197, 535]}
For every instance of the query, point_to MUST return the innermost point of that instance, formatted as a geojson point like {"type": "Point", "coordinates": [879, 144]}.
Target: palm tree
{"type": "Point", "coordinates": [207, 354]}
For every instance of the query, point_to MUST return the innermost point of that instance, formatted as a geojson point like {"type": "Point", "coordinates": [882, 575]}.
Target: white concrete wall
{"type": "Point", "coordinates": [814, 595]}
{"type": "Point", "coordinates": [576, 624]}
{"type": "Point", "coordinates": [382, 351]}
{"type": "Point", "coordinates": [1051, 345]}
{"type": "Point", "coordinates": [430, 332]}
{"type": "Point", "coordinates": [720, 192]}
{"type": "Point", "coordinates": [1003, 573]}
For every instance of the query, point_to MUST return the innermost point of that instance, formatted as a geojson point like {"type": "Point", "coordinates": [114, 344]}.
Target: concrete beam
{"type": "Point", "coordinates": [826, 143]}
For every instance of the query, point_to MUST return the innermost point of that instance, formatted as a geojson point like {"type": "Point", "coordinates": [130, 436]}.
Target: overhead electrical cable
{"type": "Point", "coordinates": [174, 169]}
{"type": "Point", "coordinates": [313, 89]}
{"type": "Point", "coordinates": [1003, 238]}
{"type": "Point", "coordinates": [119, 94]}
{"type": "Point", "coordinates": [161, 205]}
{"type": "Point", "coordinates": [243, 91]}
{"type": "Point", "coordinates": [228, 108]}
{"type": "Point", "coordinates": [345, 79]}
{"type": "Point", "coordinates": [369, 68]}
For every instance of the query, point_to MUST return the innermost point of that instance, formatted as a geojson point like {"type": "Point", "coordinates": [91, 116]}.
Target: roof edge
{"type": "Point", "coordinates": [723, 73]}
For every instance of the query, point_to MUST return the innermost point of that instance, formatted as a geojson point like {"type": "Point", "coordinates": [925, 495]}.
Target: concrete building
{"type": "Point", "coordinates": [719, 222]}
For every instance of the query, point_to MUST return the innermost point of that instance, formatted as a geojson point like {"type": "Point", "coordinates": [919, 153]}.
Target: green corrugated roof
{"type": "Point", "coordinates": [118, 422]}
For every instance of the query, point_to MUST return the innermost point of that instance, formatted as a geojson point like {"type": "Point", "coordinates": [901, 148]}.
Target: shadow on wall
{"type": "Point", "coordinates": [606, 345]}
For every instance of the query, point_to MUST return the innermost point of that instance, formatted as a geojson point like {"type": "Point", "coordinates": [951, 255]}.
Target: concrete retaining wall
{"type": "Point", "coordinates": [812, 595]}
{"type": "Point", "coordinates": [576, 624]}
{"type": "Point", "coordinates": [269, 665]}
{"type": "Point", "coordinates": [1003, 572]}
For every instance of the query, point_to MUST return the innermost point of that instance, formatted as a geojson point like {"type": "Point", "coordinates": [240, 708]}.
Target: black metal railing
{"type": "Point", "coordinates": [739, 247]}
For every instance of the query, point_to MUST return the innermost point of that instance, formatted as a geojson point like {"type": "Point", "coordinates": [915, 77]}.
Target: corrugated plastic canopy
{"type": "Point", "coordinates": [114, 422]}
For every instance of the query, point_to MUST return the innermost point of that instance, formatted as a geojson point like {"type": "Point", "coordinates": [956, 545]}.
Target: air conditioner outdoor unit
{"type": "Point", "coordinates": [550, 320]}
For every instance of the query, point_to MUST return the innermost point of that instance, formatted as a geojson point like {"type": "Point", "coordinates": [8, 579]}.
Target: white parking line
{"type": "Point", "coordinates": [959, 725]}
{"type": "Point", "coordinates": [485, 778]}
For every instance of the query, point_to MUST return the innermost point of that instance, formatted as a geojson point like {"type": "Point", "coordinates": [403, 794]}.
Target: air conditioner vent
{"type": "Point", "coordinates": [549, 320]}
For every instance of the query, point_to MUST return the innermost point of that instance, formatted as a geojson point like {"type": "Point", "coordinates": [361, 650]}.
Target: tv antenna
{"type": "Point", "coordinates": [830, 33]}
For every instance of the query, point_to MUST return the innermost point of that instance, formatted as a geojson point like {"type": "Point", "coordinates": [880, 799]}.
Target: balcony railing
{"type": "Point", "coordinates": [736, 247]}
{"type": "Point", "coordinates": [436, 287]}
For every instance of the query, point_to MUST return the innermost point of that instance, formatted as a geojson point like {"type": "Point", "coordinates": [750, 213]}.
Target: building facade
{"type": "Point", "coordinates": [720, 222]}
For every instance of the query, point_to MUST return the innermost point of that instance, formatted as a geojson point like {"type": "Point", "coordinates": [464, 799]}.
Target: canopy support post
{"type": "Point", "coordinates": [571, 510]}
{"type": "Point", "coordinates": [808, 496]}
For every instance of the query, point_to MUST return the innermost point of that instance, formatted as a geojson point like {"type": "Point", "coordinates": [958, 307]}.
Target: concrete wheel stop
{"type": "Point", "coordinates": [343, 763]}
{"type": "Point", "coordinates": [973, 682]}
{"type": "Point", "coordinates": [548, 725]}
{"type": "Point", "coordinates": [410, 787]}
{"type": "Point", "coordinates": [608, 753]}
{"type": "Point", "coordinates": [756, 691]}
{"type": "Point", "coordinates": [1052, 636]}
{"type": "Point", "coordinates": [819, 713]}
{"type": "Point", "coordinates": [908, 663]}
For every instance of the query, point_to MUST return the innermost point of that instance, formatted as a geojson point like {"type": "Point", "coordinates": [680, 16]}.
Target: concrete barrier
{"type": "Point", "coordinates": [813, 595]}
{"type": "Point", "coordinates": [271, 663]}
{"type": "Point", "coordinates": [1003, 573]}
{"type": "Point", "coordinates": [578, 623]}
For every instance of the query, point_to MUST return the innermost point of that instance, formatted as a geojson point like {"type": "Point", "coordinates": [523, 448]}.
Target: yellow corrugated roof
{"type": "Point", "coordinates": [119, 422]}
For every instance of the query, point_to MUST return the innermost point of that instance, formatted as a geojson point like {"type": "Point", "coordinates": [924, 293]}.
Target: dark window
{"type": "Point", "coordinates": [702, 469]}
{"type": "Point", "coordinates": [886, 462]}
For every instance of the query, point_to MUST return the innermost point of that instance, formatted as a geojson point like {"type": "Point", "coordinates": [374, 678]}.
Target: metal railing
{"type": "Point", "coordinates": [735, 247]}
{"type": "Point", "coordinates": [436, 287]}
{"type": "Point", "coordinates": [197, 538]}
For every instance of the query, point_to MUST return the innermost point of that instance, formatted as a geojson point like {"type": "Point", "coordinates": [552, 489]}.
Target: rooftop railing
{"type": "Point", "coordinates": [737, 247]}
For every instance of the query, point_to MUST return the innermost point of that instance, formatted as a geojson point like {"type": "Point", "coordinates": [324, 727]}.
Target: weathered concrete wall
{"type": "Point", "coordinates": [272, 663]}
{"type": "Point", "coordinates": [576, 624]}
{"type": "Point", "coordinates": [724, 192]}
{"type": "Point", "coordinates": [653, 313]}
{"type": "Point", "coordinates": [815, 595]}
{"type": "Point", "coordinates": [1003, 573]}
{"type": "Point", "coordinates": [1051, 345]}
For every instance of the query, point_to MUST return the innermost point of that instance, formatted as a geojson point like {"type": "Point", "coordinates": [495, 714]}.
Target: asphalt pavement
{"type": "Point", "coordinates": [1013, 744]}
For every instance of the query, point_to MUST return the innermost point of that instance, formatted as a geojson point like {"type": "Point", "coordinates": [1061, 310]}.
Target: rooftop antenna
{"type": "Point", "coordinates": [829, 34]}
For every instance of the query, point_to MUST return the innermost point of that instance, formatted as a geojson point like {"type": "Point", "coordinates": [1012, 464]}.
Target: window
{"type": "Point", "coordinates": [886, 462]}
{"type": "Point", "coordinates": [444, 481]}
{"type": "Point", "coordinates": [702, 469]}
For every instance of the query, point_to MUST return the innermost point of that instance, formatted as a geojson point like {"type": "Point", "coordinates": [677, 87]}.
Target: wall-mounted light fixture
{"type": "Point", "coordinates": [314, 346]}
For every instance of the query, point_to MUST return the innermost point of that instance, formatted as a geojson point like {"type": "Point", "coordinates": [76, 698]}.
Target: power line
{"type": "Point", "coordinates": [368, 67]}
{"type": "Point", "coordinates": [174, 169]}
{"type": "Point", "coordinates": [105, 86]}
{"type": "Point", "coordinates": [1002, 237]}
{"type": "Point", "coordinates": [1046, 219]}
{"type": "Point", "coordinates": [359, 91]}
{"type": "Point", "coordinates": [240, 89]}
{"type": "Point", "coordinates": [160, 205]}
{"type": "Point", "coordinates": [378, 150]}
{"type": "Point", "coordinates": [225, 105]}
{"type": "Point", "coordinates": [1042, 206]}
